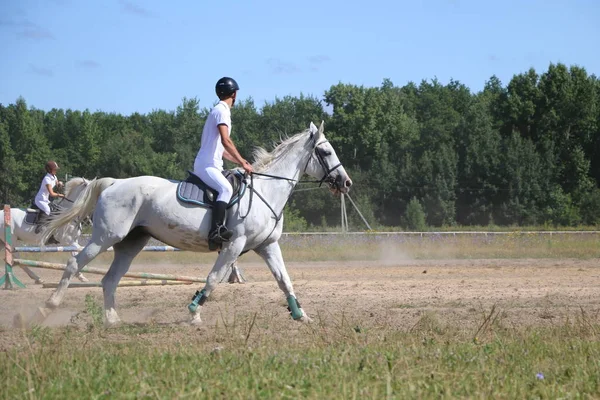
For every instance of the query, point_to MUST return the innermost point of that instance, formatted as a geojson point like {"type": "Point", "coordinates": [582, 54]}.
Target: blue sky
{"type": "Point", "coordinates": [126, 56]}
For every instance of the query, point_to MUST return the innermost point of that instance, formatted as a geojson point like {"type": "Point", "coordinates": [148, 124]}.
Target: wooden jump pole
{"type": "Point", "coordinates": [62, 249]}
{"type": "Point", "coordinates": [99, 271]}
{"type": "Point", "coordinates": [53, 285]}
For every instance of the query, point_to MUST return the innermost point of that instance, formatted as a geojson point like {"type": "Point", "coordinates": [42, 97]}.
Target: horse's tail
{"type": "Point", "coordinates": [82, 207]}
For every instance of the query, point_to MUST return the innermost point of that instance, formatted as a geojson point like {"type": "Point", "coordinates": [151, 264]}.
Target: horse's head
{"type": "Point", "coordinates": [324, 163]}
{"type": "Point", "coordinates": [73, 189]}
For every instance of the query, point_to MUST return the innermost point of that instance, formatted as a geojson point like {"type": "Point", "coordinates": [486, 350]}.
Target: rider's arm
{"type": "Point", "coordinates": [230, 147]}
{"type": "Point", "coordinates": [228, 156]}
{"type": "Point", "coordinates": [52, 192]}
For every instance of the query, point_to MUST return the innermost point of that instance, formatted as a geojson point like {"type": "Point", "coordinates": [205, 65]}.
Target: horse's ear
{"type": "Point", "coordinates": [322, 127]}
{"type": "Point", "coordinates": [313, 130]}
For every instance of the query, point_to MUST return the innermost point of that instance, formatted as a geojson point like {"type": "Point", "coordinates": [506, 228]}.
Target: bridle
{"type": "Point", "coordinates": [317, 153]}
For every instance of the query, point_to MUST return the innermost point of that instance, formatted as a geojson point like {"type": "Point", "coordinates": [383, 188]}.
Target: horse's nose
{"type": "Point", "coordinates": [348, 183]}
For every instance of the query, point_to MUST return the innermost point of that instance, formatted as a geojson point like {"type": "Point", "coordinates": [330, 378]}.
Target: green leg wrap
{"type": "Point", "coordinates": [294, 308]}
{"type": "Point", "coordinates": [198, 299]}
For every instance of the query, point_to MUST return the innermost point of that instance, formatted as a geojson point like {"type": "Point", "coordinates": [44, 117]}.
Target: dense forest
{"type": "Point", "coordinates": [527, 153]}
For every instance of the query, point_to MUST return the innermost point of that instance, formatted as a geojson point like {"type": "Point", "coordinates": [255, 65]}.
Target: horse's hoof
{"type": "Point", "coordinates": [82, 278]}
{"type": "Point", "coordinates": [196, 320]}
{"type": "Point", "coordinates": [305, 318]}
{"type": "Point", "coordinates": [39, 282]}
{"type": "Point", "coordinates": [51, 304]}
{"type": "Point", "coordinates": [111, 318]}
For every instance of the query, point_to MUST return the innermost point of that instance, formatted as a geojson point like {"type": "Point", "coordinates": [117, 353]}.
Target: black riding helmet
{"type": "Point", "coordinates": [226, 87]}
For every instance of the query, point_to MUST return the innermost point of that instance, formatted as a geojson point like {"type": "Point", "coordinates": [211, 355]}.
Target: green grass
{"type": "Point", "coordinates": [262, 356]}
{"type": "Point", "coordinates": [257, 357]}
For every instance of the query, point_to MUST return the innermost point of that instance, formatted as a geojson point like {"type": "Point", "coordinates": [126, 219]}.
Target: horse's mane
{"type": "Point", "coordinates": [263, 159]}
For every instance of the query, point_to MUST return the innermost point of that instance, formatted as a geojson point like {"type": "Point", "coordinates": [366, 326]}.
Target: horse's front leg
{"type": "Point", "coordinates": [231, 251]}
{"type": "Point", "coordinates": [271, 253]}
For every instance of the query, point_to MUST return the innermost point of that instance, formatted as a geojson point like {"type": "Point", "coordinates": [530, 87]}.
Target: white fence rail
{"type": "Point", "coordinates": [443, 233]}
{"type": "Point", "coordinates": [289, 236]}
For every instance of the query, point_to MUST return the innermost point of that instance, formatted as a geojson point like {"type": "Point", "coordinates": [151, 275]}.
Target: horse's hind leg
{"type": "Point", "coordinates": [81, 277]}
{"type": "Point", "coordinates": [272, 256]}
{"type": "Point", "coordinates": [125, 252]}
{"type": "Point", "coordinates": [97, 245]}
{"type": "Point", "coordinates": [74, 265]}
{"type": "Point", "coordinates": [78, 274]}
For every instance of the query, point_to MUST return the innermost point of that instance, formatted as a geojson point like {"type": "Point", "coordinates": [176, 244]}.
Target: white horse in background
{"type": "Point", "coordinates": [67, 235]}
{"type": "Point", "coordinates": [128, 212]}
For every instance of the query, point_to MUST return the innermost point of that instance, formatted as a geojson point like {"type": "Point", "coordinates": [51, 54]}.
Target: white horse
{"type": "Point", "coordinates": [67, 235]}
{"type": "Point", "coordinates": [128, 212]}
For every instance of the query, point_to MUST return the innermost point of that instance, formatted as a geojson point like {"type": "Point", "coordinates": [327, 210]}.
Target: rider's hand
{"type": "Point", "coordinates": [247, 167]}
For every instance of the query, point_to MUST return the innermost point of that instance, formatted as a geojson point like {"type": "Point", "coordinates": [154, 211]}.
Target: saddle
{"type": "Point", "coordinates": [194, 191]}
{"type": "Point", "coordinates": [35, 216]}
{"type": "Point", "coordinates": [32, 214]}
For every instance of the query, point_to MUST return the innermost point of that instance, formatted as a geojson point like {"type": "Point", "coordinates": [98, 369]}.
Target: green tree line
{"type": "Point", "coordinates": [525, 153]}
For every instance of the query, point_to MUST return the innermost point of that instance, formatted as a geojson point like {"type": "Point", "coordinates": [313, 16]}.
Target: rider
{"type": "Point", "coordinates": [42, 198]}
{"type": "Point", "coordinates": [216, 145]}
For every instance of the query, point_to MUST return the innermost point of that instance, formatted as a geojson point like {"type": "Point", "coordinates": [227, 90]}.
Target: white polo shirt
{"type": "Point", "coordinates": [211, 147]}
{"type": "Point", "coordinates": [43, 195]}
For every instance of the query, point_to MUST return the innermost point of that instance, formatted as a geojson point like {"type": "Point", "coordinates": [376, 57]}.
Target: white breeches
{"type": "Point", "coordinates": [45, 207]}
{"type": "Point", "coordinates": [214, 178]}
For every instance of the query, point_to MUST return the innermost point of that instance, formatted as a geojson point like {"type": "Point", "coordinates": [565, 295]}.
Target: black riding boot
{"type": "Point", "coordinates": [218, 232]}
{"type": "Point", "coordinates": [42, 220]}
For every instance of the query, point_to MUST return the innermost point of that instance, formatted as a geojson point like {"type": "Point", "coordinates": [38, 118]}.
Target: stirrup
{"type": "Point", "coordinates": [220, 235]}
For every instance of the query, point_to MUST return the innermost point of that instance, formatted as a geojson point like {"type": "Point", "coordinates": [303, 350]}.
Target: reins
{"type": "Point", "coordinates": [294, 182]}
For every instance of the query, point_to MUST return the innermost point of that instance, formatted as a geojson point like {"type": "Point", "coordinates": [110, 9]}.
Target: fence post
{"type": "Point", "coordinates": [9, 279]}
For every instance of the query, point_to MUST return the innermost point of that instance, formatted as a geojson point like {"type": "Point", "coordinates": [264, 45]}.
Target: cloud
{"type": "Point", "coordinates": [89, 64]}
{"type": "Point", "coordinates": [28, 30]}
{"type": "Point", "coordinates": [131, 8]}
{"type": "Point", "coordinates": [36, 34]}
{"type": "Point", "coordinates": [319, 59]}
{"type": "Point", "coordinates": [282, 67]}
{"type": "Point", "coordinates": [47, 72]}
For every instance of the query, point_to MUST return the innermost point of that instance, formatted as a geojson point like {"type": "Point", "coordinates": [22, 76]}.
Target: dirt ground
{"type": "Point", "coordinates": [527, 291]}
